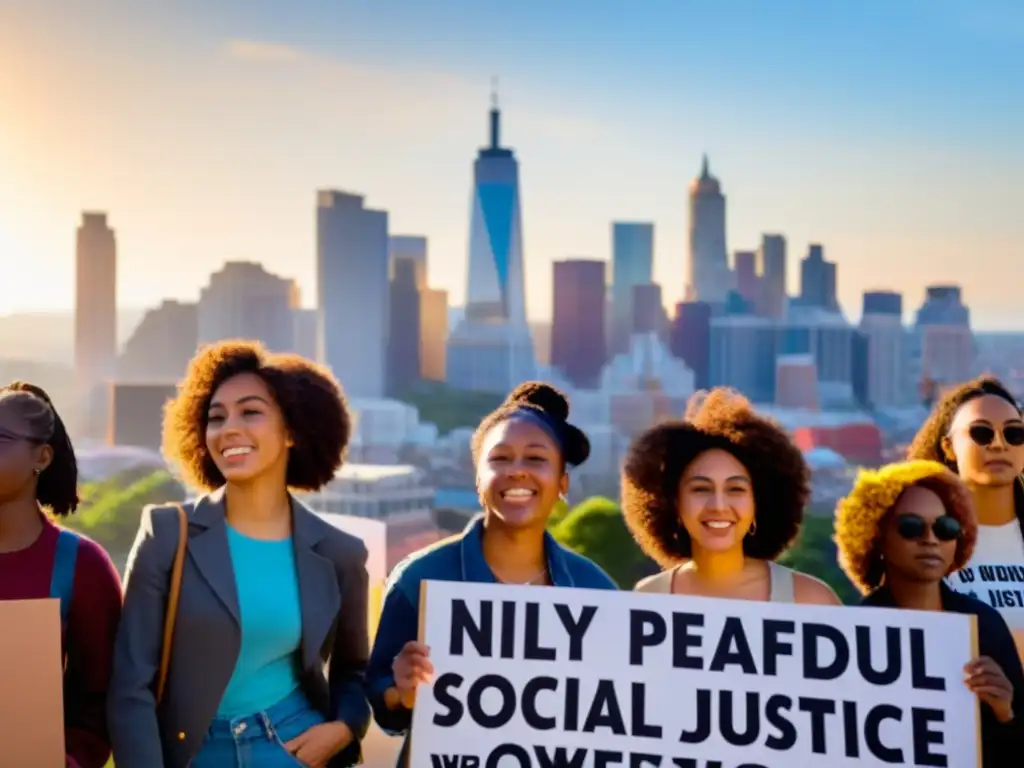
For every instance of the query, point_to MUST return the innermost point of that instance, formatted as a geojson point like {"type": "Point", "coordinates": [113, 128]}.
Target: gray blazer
{"type": "Point", "coordinates": [333, 587]}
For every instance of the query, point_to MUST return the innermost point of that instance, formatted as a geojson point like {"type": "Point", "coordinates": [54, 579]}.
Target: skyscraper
{"type": "Point", "coordinates": [243, 300]}
{"type": "Point", "coordinates": [710, 276]}
{"type": "Point", "coordinates": [353, 292]}
{"type": "Point", "coordinates": [490, 350]}
{"type": "Point", "coordinates": [772, 290]}
{"type": "Point", "coordinates": [632, 264]}
{"type": "Point", "coordinates": [818, 280]}
{"type": "Point", "coordinates": [95, 320]}
{"type": "Point", "coordinates": [409, 248]}
{"type": "Point", "coordinates": [577, 328]}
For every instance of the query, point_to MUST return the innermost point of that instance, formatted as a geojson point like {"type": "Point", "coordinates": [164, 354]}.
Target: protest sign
{"type": "Point", "coordinates": [571, 678]}
{"type": "Point", "coordinates": [32, 684]}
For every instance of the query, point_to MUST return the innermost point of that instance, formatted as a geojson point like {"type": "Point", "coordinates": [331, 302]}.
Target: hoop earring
{"type": "Point", "coordinates": [37, 471]}
{"type": "Point", "coordinates": [752, 530]}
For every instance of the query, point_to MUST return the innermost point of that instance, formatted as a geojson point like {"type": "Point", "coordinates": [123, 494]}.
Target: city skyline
{"type": "Point", "coordinates": [896, 192]}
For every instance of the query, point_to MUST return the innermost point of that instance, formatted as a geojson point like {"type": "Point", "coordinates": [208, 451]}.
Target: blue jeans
{"type": "Point", "coordinates": [257, 741]}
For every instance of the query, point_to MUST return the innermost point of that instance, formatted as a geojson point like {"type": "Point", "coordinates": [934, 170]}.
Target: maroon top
{"type": "Point", "coordinates": [89, 638]}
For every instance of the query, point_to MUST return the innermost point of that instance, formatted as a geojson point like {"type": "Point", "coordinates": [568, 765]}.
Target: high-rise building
{"type": "Point", "coordinates": [747, 282]}
{"type": "Point", "coordinates": [710, 276]}
{"type": "Point", "coordinates": [245, 301]}
{"type": "Point", "coordinates": [818, 280]}
{"type": "Point", "coordinates": [944, 337]}
{"type": "Point", "coordinates": [409, 248]}
{"type": "Point", "coordinates": [632, 264]}
{"type": "Point", "coordinates": [887, 352]}
{"type": "Point", "coordinates": [161, 345]}
{"type": "Point", "coordinates": [95, 321]}
{"type": "Point", "coordinates": [577, 329]}
{"type": "Point", "coordinates": [648, 315]}
{"type": "Point", "coordinates": [691, 339]}
{"type": "Point", "coordinates": [433, 333]}
{"type": "Point", "coordinates": [491, 349]}
{"type": "Point", "coordinates": [743, 353]}
{"type": "Point", "coordinates": [404, 332]}
{"type": "Point", "coordinates": [772, 269]}
{"type": "Point", "coordinates": [353, 292]}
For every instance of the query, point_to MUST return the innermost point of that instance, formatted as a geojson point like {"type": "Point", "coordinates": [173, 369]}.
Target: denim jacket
{"type": "Point", "coordinates": [459, 558]}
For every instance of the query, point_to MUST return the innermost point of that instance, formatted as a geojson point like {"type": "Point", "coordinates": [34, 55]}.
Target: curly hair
{"type": "Point", "coordinates": [311, 401]}
{"type": "Point", "coordinates": [859, 516]}
{"type": "Point", "coordinates": [657, 459]}
{"type": "Point", "coordinates": [551, 407]}
{"type": "Point", "coordinates": [927, 443]}
{"type": "Point", "coordinates": [57, 486]}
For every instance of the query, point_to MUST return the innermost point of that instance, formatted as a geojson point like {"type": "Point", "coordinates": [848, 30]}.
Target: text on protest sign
{"type": "Point", "coordinates": [569, 678]}
{"type": "Point", "coordinates": [1001, 586]}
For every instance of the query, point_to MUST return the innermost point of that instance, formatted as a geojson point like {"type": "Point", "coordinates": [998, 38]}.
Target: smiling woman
{"type": "Point", "coordinates": [270, 593]}
{"type": "Point", "coordinates": [523, 451]}
{"type": "Point", "coordinates": [715, 499]}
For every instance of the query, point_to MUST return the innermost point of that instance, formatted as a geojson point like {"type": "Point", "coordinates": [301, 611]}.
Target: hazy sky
{"type": "Point", "coordinates": [892, 132]}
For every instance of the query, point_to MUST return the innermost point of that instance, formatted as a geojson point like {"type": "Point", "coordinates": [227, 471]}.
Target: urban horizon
{"type": "Point", "coordinates": [879, 176]}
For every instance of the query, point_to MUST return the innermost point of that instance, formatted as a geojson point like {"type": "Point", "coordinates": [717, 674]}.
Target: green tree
{"type": "Point", "coordinates": [814, 553]}
{"type": "Point", "coordinates": [111, 509]}
{"type": "Point", "coordinates": [596, 529]}
{"type": "Point", "coordinates": [450, 408]}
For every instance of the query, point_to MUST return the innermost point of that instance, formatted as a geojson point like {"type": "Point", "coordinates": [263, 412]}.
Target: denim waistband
{"type": "Point", "coordinates": [261, 722]}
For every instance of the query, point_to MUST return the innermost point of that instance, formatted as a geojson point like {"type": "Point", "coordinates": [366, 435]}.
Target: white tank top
{"type": "Point", "coordinates": [780, 579]}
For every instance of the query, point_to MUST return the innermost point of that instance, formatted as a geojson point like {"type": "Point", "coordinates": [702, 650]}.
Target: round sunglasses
{"type": "Point", "coordinates": [911, 526]}
{"type": "Point", "coordinates": [983, 435]}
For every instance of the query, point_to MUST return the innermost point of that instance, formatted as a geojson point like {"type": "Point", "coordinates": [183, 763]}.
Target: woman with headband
{"type": "Point", "coordinates": [522, 452]}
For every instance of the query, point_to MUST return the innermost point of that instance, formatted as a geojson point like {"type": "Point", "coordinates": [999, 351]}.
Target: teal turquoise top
{"type": "Point", "coordinates": [267, 669]}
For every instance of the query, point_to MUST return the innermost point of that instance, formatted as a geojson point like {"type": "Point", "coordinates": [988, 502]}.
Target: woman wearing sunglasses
{"type": "Point", "coordinates": [900, 532]}
{"type": "Point", "coordinates": [976, 430]}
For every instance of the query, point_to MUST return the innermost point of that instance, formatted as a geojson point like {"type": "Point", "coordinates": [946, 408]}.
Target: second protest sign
{"type": "Point", "coordinates": [527, 676]}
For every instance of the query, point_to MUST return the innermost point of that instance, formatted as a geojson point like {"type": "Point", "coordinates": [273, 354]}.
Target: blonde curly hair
{"type": "Point", "coordinates": [859, 516]}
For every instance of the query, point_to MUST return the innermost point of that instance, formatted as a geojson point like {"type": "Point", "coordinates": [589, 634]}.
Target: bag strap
{"type": "Point", "coordinates": [173, 594]}
{"type": "Point", "coordinates": [62, 577]}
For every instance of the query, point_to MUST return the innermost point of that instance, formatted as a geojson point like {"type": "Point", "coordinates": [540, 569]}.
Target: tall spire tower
{"type": "Point", "coordinates": [491, 350]}
{"type": "Point", "coordinates": [710, 276]}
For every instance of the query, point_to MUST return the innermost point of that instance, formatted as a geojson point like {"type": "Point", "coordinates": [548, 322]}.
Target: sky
{"type": "Point", "coordinates": [893, 133]}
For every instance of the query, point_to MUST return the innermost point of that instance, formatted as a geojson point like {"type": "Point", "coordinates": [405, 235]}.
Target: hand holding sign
{"type": "Point", "coordinates": [411, 667]}
{"type": "Point", "coordinates": [987, 679]}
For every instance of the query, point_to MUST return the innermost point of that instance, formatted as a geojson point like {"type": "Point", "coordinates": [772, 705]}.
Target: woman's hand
{"type": "Point", "coordinates": [987, 680]}
{"type": "Point", "coordinates": [315, 746]}
{"type": "Point", "coordinates": [411, 667]}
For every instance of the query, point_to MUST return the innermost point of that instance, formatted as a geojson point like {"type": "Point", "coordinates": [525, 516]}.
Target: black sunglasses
{"type": "Point", "coordinates": [983, 435]}
{"type": "Point", "coordinates": [911, 526]}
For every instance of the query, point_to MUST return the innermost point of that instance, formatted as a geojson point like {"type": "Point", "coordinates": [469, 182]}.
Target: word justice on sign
{"type": "Point", "coordinates": [592, 678]}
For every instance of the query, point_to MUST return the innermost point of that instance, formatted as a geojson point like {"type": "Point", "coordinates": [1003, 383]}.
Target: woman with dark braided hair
{"type": "Point", "coordinates": [977, 431]}
{"type": "Point", "coordinates": [40, 559]}
{"type": "Point", "coordinates": [522, 451]}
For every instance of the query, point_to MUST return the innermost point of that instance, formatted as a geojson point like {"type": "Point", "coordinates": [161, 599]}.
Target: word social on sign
{"type": "Point", "coordinates": [573, 678]}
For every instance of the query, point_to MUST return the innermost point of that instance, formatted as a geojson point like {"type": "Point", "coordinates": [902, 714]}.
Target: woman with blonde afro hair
{"type": "Point", "coordinates": [900, 532]}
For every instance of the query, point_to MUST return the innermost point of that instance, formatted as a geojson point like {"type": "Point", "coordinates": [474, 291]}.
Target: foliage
{"type": "Point", "coordinates": [450, 408]}
{"type": "Point", "coordinates": [815, 554]}
{"type": "Point", "coordinates": [596, 529]}
{"type": "Point", "coordinates": [111, 508]}
{"type": "Point", "coordinates": [558, 514]}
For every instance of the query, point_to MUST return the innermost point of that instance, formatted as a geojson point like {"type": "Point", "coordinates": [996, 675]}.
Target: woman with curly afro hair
{"type": "Point", "coordinates": [976, 430]}
{"type": "Point", "coordinates": [270, 592]}
{"type": "Point", "coordinates": [522, 451]}
{"type": "Point", "coordinates": [900, 531]}
{"type": "Point", "coordinates": [715, 499]}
